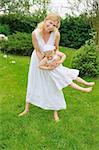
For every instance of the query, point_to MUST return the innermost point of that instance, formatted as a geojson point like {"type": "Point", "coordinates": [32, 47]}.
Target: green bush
{"type": "Point", "coordinates": [4, 29]}
{"type": "Point", "coordinates": [19, 43]}
{"type": "Point", "coordinates": [85, 60]}
{"type": "Point", "coordinates": [75, 31]}
{"type": "Point", "coordinates": [20, 23]}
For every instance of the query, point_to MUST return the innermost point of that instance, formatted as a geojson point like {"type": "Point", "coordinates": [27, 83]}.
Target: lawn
{"type": "Point", "coordinates": [78, 126]}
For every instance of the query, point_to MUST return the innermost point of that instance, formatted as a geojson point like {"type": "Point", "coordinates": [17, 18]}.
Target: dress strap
{"type": "Point", "coordinates": [52, 38]}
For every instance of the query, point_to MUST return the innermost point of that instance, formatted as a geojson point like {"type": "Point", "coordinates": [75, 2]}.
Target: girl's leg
{"type": "Point", "coordinates": [26, 109]}
{"type": "Point", "coordinates": [77, 87]}
{"type": "Point", "coordinates": [56, 117]}
{"type": "Point", "coordinates": [84, 82]}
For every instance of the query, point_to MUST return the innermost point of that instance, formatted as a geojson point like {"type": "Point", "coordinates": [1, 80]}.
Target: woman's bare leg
{"type": "Point", "coordinates": [78, 79]}
{"type": "Point", "coordinates": [56, 117]}
{"type": "Point", "coordinates": [77, 87]}
{"type": "Point", "coordinates": [27, 106]}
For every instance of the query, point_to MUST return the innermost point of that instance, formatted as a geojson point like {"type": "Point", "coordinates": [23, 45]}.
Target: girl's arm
{"type": "Point", "coordinates": [62, 56]}
{"type": "Point", "coordinates": [36, 47]}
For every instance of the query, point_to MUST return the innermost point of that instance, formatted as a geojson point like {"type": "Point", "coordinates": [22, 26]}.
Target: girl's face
{"type": "Point", "coordinates": [49, 25]}
{"type": "Point", "coordinates": [49, 54]}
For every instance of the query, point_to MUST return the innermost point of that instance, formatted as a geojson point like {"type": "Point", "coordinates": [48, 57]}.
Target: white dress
{"type": "Point", "coordinates": [41, 89]}
{"type": "Point", "coordinates": [62, 76]}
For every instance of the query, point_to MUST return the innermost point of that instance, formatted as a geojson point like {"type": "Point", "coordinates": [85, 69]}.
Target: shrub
{"type": "Point", "coordinates": [75, 31]}
{"type": "Point", "coordinates": [20, 23]}
{"type": "Point", "coordinates": [19, 43]}
{"type": "Point", "coordinates": [4, 29]}
{"type": "Point", "coordinates": [85, 60]}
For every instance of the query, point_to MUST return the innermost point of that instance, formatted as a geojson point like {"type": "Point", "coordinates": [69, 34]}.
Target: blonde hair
{"type": "Point", "coordinates": [53, 17]}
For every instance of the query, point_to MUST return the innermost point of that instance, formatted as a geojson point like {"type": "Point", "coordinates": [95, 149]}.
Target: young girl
{"type": "Point", "coordinates": [62, 76]}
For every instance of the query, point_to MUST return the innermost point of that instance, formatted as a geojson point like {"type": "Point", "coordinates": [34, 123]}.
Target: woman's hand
{"type": "Point", "coordinates": [58, 63]}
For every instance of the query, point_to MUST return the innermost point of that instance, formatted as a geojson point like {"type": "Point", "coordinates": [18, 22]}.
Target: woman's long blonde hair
{"type": "Point", "coordinates": [53, 17]}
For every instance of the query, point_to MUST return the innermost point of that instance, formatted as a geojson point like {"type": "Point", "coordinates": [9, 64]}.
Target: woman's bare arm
{"type": "Point", "coordinates": [46, 67]}
{"type": "Point", "coordinates": [56, 44]}
{"type": "Point", "coordinates": [36, 47]}
{"type": "Point", "coordinates": [57, 40]}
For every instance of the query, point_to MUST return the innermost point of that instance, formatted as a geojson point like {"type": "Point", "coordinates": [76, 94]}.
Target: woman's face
{"type": "Point", "coordinates": [49, 25]}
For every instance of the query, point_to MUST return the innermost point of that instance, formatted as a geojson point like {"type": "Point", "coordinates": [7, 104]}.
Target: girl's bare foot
{"type": "Point", "coordinates": [56, 117]}
{"type": "Point", "coordinates": [90, 83]}
{"type": "Point", "coordinates": [23, 113]}
{"type": "Point", "coordinates": [87, 90]}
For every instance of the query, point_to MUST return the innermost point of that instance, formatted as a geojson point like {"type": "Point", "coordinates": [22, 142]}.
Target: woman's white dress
{"type": "Point", "coordinates": [44, 86]}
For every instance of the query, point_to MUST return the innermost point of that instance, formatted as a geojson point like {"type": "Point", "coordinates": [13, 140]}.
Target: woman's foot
{"type": "Point", "coordinates": [23, 113]}
{"type": "Point", "coordinates": [90, 83]}
{"type": "Point", "coordinates": [87, 90]}
{"type": "Point", "coordinates": [56, 117]}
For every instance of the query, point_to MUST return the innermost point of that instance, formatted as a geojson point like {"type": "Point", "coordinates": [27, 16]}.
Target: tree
{"type": "Point", "coordinates": [40, 7]}
{"type": "Point", "coordinates": [36, 8]}
{"type": "Point", "coordinates": [15, 6]}
{"type": "Point", "coordinates": [91, 9]}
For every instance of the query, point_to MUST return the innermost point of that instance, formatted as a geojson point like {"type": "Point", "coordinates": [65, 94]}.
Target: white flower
{"type": "Point", "coordinates": [5, 56]}
{"type": "Point", "coordinates": [3, 37]}
{"type": "Point", "coordinates": [13, 61]}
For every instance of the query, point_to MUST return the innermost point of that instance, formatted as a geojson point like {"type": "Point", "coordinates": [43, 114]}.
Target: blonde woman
{"type": "Point", "coordinates": [41, 90]}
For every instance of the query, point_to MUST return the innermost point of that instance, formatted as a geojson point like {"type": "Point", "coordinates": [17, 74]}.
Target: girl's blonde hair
{"type": "Point", "coordinates": [52, 17]}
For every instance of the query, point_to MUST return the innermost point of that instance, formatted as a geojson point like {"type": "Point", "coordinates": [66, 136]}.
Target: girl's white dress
{"type": "Point", "coordinates": [62, 76]}
{"type": "Point", "coordinates": [44, 86]}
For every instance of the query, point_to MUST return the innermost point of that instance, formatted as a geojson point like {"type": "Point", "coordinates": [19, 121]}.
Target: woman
{"type": "Point", "coordinates": [41, 90]}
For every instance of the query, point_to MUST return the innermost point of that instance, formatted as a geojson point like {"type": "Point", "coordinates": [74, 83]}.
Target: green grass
{"type": "Point", "coordinates": [78, 126]}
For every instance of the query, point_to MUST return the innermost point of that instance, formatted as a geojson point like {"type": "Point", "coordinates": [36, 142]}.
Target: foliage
{"type": "Point", "coordinates": [74, 31]}
{"type": "Point", "coordinates": [23, 7]}
{"type": "Point", "coordinates": [4, 29]}
{"type": "Point", "coordinates": [19, 43]}
{"type": "Point", "coordinates": [85, 60]}
{"type": "Point", "coordinates": [21, 23]}
{"type": "Point", "coordinates": [12, 6]}
{"type": "Point", "coordinates": [17, 23]}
